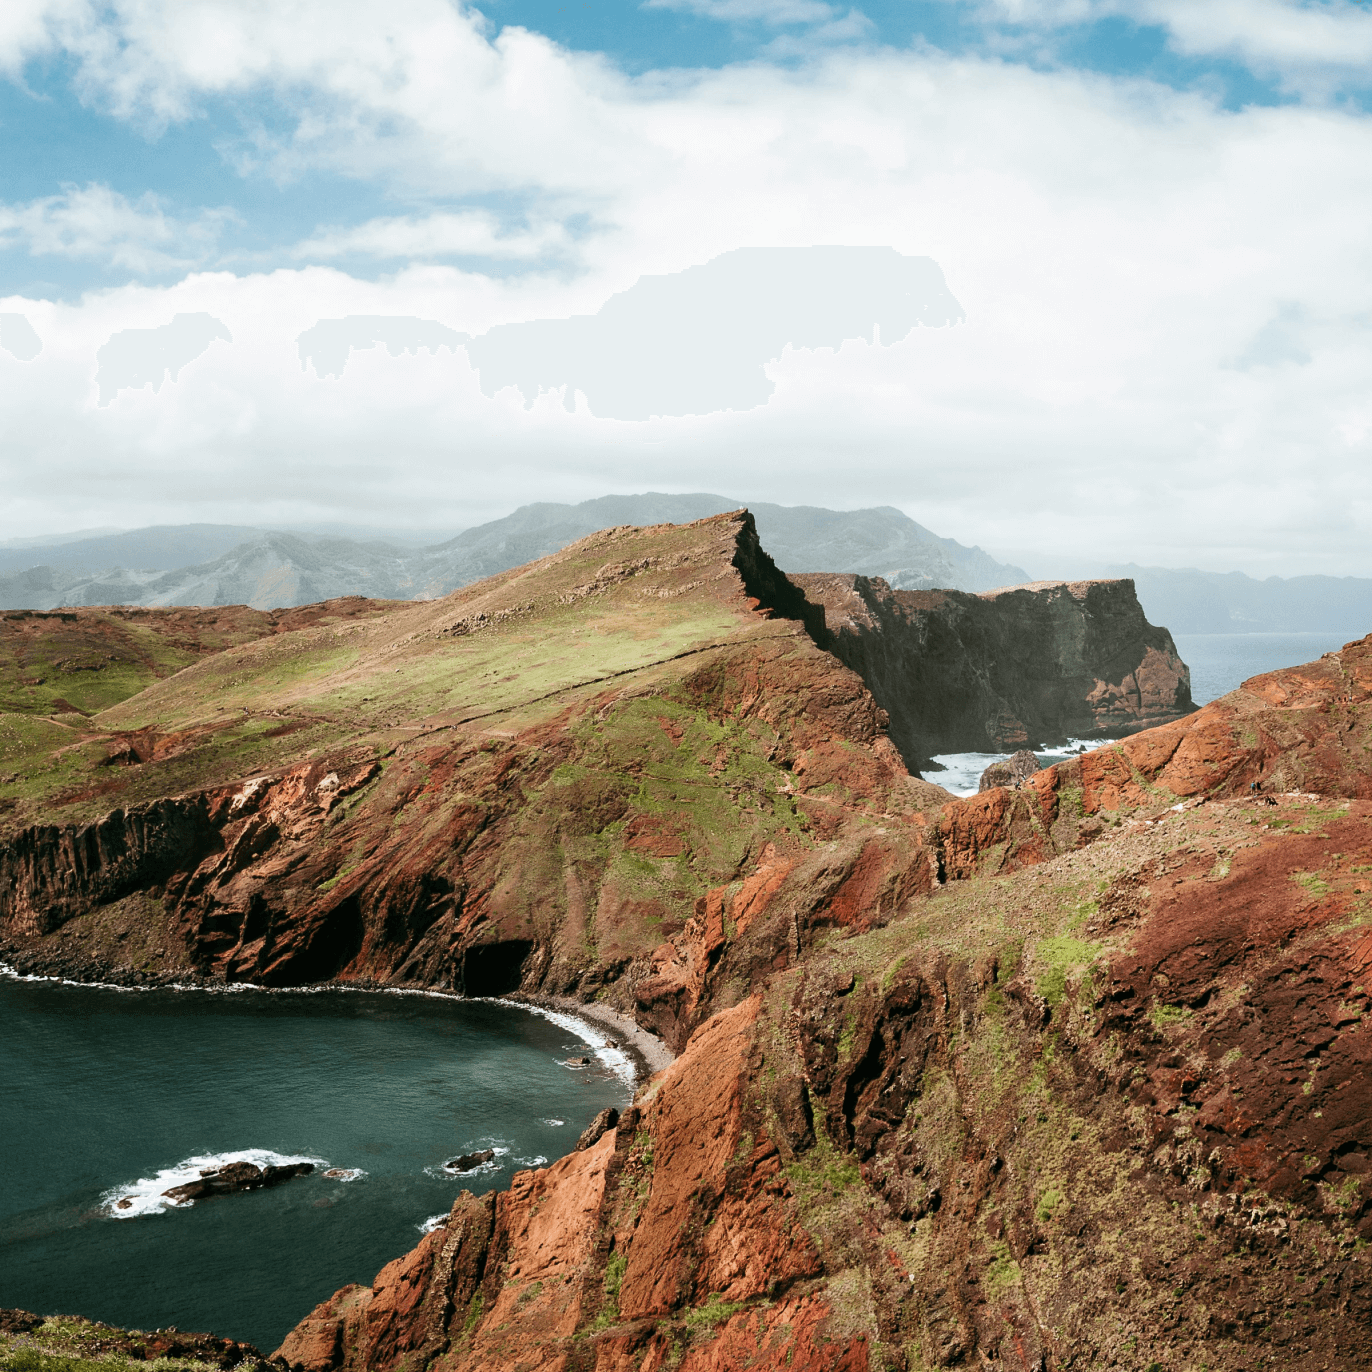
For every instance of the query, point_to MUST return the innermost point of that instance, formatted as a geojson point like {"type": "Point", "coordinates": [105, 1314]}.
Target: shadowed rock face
{"type": "Point", "coordinates": [1021, 667]}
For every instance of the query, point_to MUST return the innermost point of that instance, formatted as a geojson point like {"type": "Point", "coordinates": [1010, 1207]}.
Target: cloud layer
{"type": "Point", "coordinates": [1168, 302]}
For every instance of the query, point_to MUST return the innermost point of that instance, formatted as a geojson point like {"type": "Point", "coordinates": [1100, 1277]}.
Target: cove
{"type": "Point", "coordinates": [112, 1095]}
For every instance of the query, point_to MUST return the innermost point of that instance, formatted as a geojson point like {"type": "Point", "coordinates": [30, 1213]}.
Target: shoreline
{"type": "Point", "coordinates": [648, 1052]}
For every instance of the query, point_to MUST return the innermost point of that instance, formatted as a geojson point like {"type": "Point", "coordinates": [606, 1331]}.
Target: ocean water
{"type": "Point", "coordinates": [1219, 663]}
{"type": "Point", "coordinates": [116, 1096]}
{"type": "Point", "coordinates": [961, 772]}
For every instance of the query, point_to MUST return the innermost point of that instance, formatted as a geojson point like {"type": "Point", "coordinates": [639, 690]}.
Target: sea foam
{"type": "Point", "coordinates": [962, 771]}
{"type": "Point", "coordinates": [146, 1197]}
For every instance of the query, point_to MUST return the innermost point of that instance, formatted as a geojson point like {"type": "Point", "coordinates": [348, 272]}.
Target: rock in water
{"type": "Point", "coordinates": [606, 1120]}
{"type": "Point", "coordinates": [1013, 771]}
{"type": "Point", "coordinates": [237, 1176]}
{"type": "Point", "coordinates": [468, 1161]}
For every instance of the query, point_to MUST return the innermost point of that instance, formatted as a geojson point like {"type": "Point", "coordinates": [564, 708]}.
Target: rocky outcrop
{"type": "Point", "coordinates": [597, 1129]}
{"type": "Point", "coordinates": [237, 1176]}
{"type": "Point", "coordinates": [1015, 770]}
{"type": "Point", "coordinates": [673, 1240]}
{"type": "Point", "coordinates": [1299, 731]}
{"type": "Point", "coordinates": [1022, 667]}
{"type": "Point", "coordinates": [70, 1340]}
{"type": "Point", "coordinates": [48, 874]}
{"type": "Point", "coordinates": [469, 1162]}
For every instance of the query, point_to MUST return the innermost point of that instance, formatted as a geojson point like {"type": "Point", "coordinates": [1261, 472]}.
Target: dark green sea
{"type": "Point", "coordinates": [106, 1095]}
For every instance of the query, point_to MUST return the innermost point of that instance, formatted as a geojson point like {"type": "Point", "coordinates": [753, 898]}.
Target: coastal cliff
{"type": "Point", "coordinates": [992, 672]}
{"type": "Point", "coordinates": [1101, 1099]}
{"type": "Point", "coordinates": [625, 772]}
{"type": "Point", "coordinates": [1066, 1076]}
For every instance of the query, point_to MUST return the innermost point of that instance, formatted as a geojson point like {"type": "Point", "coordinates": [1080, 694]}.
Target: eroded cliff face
{"type": "Point", "coordinates": [663, 828]}
{"type": "Point", "coordinates": [1021, 667]}
{"type": "Point", "coordinates": [674, 1241]}
{"type": "Point", "coordinates": [1069, 1076]}
{"type": "Point", "coordinates": [1101, 1099]}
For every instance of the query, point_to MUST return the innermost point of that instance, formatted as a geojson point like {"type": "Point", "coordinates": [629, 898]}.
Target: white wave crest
{"type": "Point", "coordinates": [432, 1223]}
{"type": "Point", "coordinates": [145, 1196]}
{"type": "Point", "coordinates": [495, 1165]}
{"type": "Point", "coordinates": [962, 771]}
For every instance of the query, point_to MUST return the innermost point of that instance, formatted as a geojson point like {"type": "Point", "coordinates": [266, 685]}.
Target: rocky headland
{"type": "Point", "coordinates": [1021, 667]}
{"type": "Point", "coordinates": [1070, 1075]}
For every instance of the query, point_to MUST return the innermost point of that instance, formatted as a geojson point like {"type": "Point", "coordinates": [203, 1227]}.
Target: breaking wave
{"type": "Point", "coordinates": [145, 1196]}
{"type": "Point", "coordinates": [962, 771]}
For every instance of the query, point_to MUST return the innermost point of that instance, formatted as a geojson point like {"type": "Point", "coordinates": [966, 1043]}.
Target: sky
{"type": "Point", "coordinates": [1147, 223]}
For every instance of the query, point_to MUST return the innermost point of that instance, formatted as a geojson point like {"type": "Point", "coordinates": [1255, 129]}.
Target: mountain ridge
{"type": "Point", "coordinates": [274, 569]}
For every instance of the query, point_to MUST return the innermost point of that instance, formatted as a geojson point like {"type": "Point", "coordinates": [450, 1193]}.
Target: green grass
{"type": "Point", "coordinates": [1002, 1271]}
{"type": "Point", "coordinates": [1313, 884]}
{"type": "Point", "coordinates": [77, 1347]}
{"type": "Point", "coordinates": [1057, 958]}
{"type": "Point", "coordinates": [1163, 1016]}
{"type": "Point", "coordinates": [1049, 1203]}
{"type": "Point", "coordinates": [715, 1311]}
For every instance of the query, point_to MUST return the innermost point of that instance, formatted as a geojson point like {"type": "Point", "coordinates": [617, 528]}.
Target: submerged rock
{"type": "Point", "coordinates": [237, 1176]}
{"type": "Point", "coordinates": [602, 1124]}
{"type": "Point", "coordinates": [1012, 771]}
{"type": "Point", "coordinates": [468, 1162]}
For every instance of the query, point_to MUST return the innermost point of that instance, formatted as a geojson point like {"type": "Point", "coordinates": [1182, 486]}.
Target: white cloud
{"type": "Point", "coordinates": [96, 223]}
{"type": "Point", "coordinates": [467, 233]}
{"type": "Point", "coordinates": [1308, 45]}
{"type": "Point", "coordinates": [1313, 47]}
{"type": "Point", "coordinates": [1116, 246]}
{"type": "Point", "coordinates": [26, 28]}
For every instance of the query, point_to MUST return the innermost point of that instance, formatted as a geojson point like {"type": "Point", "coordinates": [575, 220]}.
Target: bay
{"type": "Point", "coordinates": [1221, 663]}
{"type": "Point", "coordinates": [115, 1095]}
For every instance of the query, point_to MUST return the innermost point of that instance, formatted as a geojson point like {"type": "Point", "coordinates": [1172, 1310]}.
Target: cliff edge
{"type": "Point", "coordinates": [1026, 666]}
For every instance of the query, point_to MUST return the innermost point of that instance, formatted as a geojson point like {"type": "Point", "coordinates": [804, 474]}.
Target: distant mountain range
{"type": "Point", "coordinates": [224, 564]}
{"type": "Point", "coordinates": [1188, 601]}
{"type": "Point", "coordinates": [267, 570]}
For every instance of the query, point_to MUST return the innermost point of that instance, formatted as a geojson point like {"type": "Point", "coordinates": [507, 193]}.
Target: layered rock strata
{"type": "Point", "coordinates": [1021, 667]}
